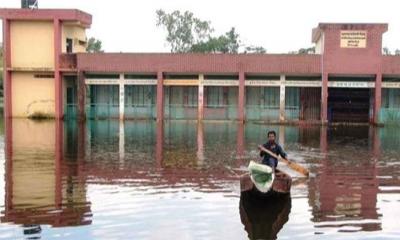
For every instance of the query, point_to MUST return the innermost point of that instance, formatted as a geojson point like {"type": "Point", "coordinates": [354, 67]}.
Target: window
{"type": "Point", "coordinates": [191, 96]}
{"type": "Point", "coordinates": [215, 96]}
{"type": "Point", "coordinates": [271, 96]}
{"type": "Point", "coordinates": [68, 44]}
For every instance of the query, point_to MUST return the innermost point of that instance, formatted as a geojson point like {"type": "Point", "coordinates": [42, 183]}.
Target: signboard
{"type": "Point", "coordinates": [391, 84]}
{"type": "Point", "coordinates": [93, 81]}
{"type": "Point", "coordinates": [353, 39]}
{"type": "Point", "coordinates": [303, 83]}
{"type": "Point", "coordinates": [218, 82]}
{"type": "Point", "coordinates": [181, 82]}
{"type": "Point", "coordinates": [140, 81]}
{"type": "Point", "coordinates": [262, 83]}
{"type": "Point", "coordinates": [351, 84]}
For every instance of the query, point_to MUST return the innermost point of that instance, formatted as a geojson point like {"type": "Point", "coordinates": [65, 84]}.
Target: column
{"type": "Point", "coordinates": [6, 71]}
{"type": "Point", "coordinates": [241, 102]}
{"type": "Point", "coordinates": [81, 91]}
{"type": "Point", "coordinates": [121, 144]}
{"type": "Point", "coordinates": [282, 135]}
{"type": "Point", "coordinates": [200, 144]}
{"type": "Point", "coordinates": [200, 113]}
{"type": "Point", "coordinates": [324, 99]}
{"type": "Point", "coordinates": [57, 74]}
{"type": "Point", "coordinates": [159, 143]}
{"type": "Point", "coordinates": [59, 150]}
{"type": "Point", "coordinates": [160, 96]}
{"type": "Point", "coordinates": [282, 99]}
{"type": "Point", "coordinates": [323, 140]}
{"type": "Point", "coordinates": [376, 142]}
{"type": "Point", "coordinates": [121, 96]}
{"type": "Point", "coordinates": [8, 165]}
{"type": "Point", "coordinates": [378, 97]}
{"type": "Point", "coordinates": [240, 144]}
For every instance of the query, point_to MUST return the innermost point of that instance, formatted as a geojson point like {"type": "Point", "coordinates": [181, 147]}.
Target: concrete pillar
{"type": "Point", "coordinates": [160, 96]}
{"type": "Point", "coordinates": [282, 99]}
{"type": "Point", "coordinates": [240, 144]}
{"type": "Point", "coordinates": [324, 98]}
{"type": "Point", "coordinates": [200, 113]}
{"type": "Point", "coordinates": [57, 75]}
{"type": "Point", "coordinates": [8, 165]}
{"type": "Point", "coordinates": [59, 144]}
{"type": "Point", "coordinates": [282, 135]}
{"type": "Point", "coordinates": [81, 91]}
{"type": "Point", "coordinates": [376, 141]}
{"type": "Point", "coordinates": [81, 141]}
{"type": "Point", "coordinates": [6, 71]}
{"type": "Point", "coordinates": [241, 100]}
{"type": "Point", "coordinates": [121, 144]}
{"type": "Point", "coordinates": [378, 97]}
{"type": "Point", "coordinates": [159, 143]}
{"type": "Point", "coordinates": [121, 96]}
{"type": "Point", "coordinates": [200, 144]}
{"type": "Point", "coordinates": [323, 138]}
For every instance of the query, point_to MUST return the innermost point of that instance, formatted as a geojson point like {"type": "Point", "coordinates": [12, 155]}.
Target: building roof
{"type": "Point", "coordinates": [195, 63]}
{"type": "Point", "coordinates": [46, 14]}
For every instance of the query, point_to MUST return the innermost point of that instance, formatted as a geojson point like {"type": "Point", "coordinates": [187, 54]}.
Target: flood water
{"type": "Point", "coordinates": [180, 180]}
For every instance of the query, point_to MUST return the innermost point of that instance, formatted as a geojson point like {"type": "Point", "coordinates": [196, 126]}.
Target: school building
{"type": "Point", "coordinates": [48, 73]}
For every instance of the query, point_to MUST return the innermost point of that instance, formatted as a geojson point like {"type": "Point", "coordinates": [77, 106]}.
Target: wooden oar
{"type": "Point", "coordinates": [291, 164]}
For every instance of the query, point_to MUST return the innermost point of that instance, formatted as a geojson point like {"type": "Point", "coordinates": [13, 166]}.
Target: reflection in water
{"type": "Point", "coordinates": [263, 218]}
{"type": "Point", "coordinates": [345, 189]}
{"type": "Point", "coordinates": [135, 176]}
{"type": "Point", "coordinates": [42, 180]}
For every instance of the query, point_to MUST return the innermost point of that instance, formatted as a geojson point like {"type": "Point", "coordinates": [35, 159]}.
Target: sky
{"type": "Point", "coordinates": [279, 26]}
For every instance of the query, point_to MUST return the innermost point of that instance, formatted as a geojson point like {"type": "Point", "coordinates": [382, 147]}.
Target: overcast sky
{"type": "Point", "coordinates": [279, 26]}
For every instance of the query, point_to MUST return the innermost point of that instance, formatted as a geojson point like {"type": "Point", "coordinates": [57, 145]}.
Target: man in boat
{"type": "Point", "coordinates": [273, 147]}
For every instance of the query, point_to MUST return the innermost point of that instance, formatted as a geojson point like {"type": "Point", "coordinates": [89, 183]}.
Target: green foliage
{"type": "Point", "coordinates": [94, 46]}
{"type": "Point", "coordinates": [183, 29]}
{"type": "Point", "coordinates": [310, 50]}
{"type": "Point", "coordinates": [228, 43]}
{"type": "Point", "coordinates": [255, 49]}
{"type": "Point", "coordinates": [186, 33]}
{"type": "Point", "coordinates": [386, 51]}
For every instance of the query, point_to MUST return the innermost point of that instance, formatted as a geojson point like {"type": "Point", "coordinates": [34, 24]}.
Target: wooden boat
{"type": "Point", "coordinates": [281, 184]}
{"type": "Point", "coordinates": [263, 218]}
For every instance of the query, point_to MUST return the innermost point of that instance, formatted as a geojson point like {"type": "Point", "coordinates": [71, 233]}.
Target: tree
{"type": "Point", "coordinates": [397, 52]}
{"type": "Point", "coordinates": [310, 50]}
{"type": "Point", "coordinates": [186, 33]}
{"type": "Point", "coordinates": [386, 51]}
{"type": "Point", "coordinates": [183, 30]}
{"type": "Point", "coordinates": [255, 49]}
{"type": "Point", "coordinates": [227, 43]}
{"type": "Point", "coordinates": [94, 45]}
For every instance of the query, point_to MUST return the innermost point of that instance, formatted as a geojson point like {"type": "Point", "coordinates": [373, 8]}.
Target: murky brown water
{"type": "Point", "coordinates": [179, 180]}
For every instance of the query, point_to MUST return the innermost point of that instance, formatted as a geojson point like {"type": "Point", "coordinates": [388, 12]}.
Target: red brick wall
{"type": "Point", "coordinates": [196, 63]}
{"type": "Point", "coordinates": [352, 60]}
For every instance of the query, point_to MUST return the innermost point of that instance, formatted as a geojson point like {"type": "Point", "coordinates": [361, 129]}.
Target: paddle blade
{"type": "Point", "coordinates": [298, 168]}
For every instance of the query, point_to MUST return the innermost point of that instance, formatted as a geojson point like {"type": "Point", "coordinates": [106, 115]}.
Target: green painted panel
{"type": "Point", "coordinates": [262, 103]}
{"type": "Point", "coordinates": [140, 102]}
{"type": "Point", "coordinates": [292, 103]}
{"type": "Point", "coordinates": [390, 116]}
{"type": "Point", "coordinates": [180, 102]}
{"type": "Point", "coordinates": [221, 103]}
